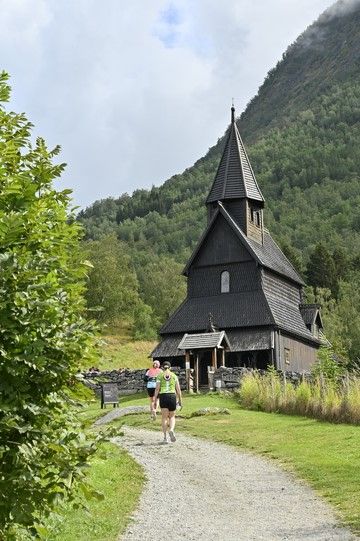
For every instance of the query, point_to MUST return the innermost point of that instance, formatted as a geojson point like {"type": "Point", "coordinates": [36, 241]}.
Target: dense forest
{"type": "Point", "coordinates": [302, 133]}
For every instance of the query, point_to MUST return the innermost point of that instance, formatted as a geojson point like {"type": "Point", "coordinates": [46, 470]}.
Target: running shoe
{"type": "Point", "coordinates": [172, 436]}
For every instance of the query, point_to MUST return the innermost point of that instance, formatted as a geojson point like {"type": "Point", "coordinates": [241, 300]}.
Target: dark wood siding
{"type": "Point", "coordinates": [204, 281]}
{"type": "Point", "coordinates": [281, 289]}
{"type": "Point", "coordinates": [221, 247]}
{"type": "Point", "coordinates": [301, 356]}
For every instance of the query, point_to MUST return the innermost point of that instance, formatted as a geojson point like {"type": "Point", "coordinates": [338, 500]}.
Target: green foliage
{"type": "Point", "coordinates": [321, 269]}
{"type": "Point", "coordinates": [144, 323]}
{"type": "Point", "coordinates": [112, 289]}
{"type": "Point", "coordinates": [162, 286]}
{"type": "Point", "coordinates": [326, 365]}
{"type": "Point", "coordinates": [43, 334]}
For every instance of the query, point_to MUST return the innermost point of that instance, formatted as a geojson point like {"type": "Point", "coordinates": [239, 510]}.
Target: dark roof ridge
{"type": "Point", "coordinates": [291, 265]}
{"type": "Point", "coordinates": [200, 241]}
{"type": "Point", "coordinates": [239, 140]}
{"type": "Point", "coordinates": [248, 246]}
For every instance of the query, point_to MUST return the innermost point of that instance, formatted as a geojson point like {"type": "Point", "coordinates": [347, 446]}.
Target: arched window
{"type": "Point", "coordinates": [225, 282]}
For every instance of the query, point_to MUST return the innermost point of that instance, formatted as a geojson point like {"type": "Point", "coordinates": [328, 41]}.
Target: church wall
{"type": "Point", "coordinates": [205, 281]}
{"type": "Point", "coordinates": [294, 355]}
{"type": "Point", "coordinates": [221, 246]}
{"type": "Point", "coordinates": [281, 289]}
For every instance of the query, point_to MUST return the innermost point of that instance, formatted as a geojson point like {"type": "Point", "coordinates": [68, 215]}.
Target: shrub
{"type": "Point", "coordinates": [43, 334]}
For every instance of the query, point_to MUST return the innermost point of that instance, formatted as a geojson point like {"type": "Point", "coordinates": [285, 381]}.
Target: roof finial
{"type": "Point", "coordinates": [232, 111]}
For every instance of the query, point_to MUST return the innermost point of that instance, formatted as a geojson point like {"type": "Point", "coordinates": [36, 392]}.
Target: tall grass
{"type": "Point", "coordinates": [335, 401]}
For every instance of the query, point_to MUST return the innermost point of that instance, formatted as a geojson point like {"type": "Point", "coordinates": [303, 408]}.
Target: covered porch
{"type": "Point", "coordinates": [204, 353]}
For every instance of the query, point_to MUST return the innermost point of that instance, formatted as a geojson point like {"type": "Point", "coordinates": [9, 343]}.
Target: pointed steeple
{"type": "Point", "coordinates": [235, 178]}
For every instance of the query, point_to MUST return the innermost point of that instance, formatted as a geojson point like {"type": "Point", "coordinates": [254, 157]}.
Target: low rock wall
{"type": "Point", "coordinates": [230, 378]}
{"type": "Point", "coordinates": [128, 381]}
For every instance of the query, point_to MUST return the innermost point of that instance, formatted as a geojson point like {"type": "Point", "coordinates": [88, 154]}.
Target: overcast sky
{"type": "Point", "coordinates": [137, 90]}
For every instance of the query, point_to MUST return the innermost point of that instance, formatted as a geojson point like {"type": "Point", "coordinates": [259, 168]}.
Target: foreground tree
{"type": "Point", "coordinates": [43, 334]}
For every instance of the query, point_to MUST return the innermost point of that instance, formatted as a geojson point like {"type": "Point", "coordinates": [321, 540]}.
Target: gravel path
{"type": "Point", "coordinates": [115, 413]}
{"type": "Point", "coordinates": [200, 490]}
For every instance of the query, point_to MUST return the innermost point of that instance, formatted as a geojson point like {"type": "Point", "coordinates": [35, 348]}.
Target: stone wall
{"type": "Point", "coordinates": [132, 381]}
{"type": "Point", "coordinates": [230, 378]}
{"type": "Point", "coordinates": [128, 381]}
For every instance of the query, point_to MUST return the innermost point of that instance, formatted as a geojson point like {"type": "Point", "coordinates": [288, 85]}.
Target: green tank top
{"type": "Point", "coordinates": [167, 384]}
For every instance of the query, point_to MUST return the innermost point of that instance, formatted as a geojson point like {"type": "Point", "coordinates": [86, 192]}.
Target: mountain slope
{"type": "Point", "coordinates": [302, 131]}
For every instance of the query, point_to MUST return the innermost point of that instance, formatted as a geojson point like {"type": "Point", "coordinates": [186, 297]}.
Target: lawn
{"type": "Point", "coordinates": [326, 455]}
{"type": "Point", "coordinates": [115, 474]}
{"type": "Point", "coordinates": [118, 350]}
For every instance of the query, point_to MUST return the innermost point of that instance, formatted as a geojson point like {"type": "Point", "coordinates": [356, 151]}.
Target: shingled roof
{"type": "Point", "coordinates": [235, 178]}
{"type": "Point", "coordinates": [246, 309]}
{"type": "Point", "coordinates": [267, 254]}
{"type": "Point", "coordinates": [205, 340]}
{"type": "Point", "coordinates": [310, 312]}
{"type": "Point", "coordinates": [239, 339]}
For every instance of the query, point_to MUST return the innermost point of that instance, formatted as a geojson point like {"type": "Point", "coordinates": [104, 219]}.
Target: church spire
{"type": "Point", "coordinates": [235, 178]}
{"type": "Point", "coordinates": [235, 183]}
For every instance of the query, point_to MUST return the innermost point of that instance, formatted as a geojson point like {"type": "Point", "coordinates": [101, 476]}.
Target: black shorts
{"type": "Point", "coordinates": [168, 401]}
{"type": "Point", "coordinates": [151, 392]}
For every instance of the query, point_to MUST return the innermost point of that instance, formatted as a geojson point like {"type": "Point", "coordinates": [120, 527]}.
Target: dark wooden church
{"type": "Point", "coordinates": [244, 298]}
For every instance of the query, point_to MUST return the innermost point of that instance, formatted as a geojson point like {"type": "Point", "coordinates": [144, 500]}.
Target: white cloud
{"type": "Point", "coordinates": [135, 91]}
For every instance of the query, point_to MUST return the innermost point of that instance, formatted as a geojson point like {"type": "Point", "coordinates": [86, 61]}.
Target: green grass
{"type": "Point", "coordinates": [115, 353]}
{"type": "Point", "coordinates": [326, 455]}
{"type": "Point", "coordinates": [114, 473]}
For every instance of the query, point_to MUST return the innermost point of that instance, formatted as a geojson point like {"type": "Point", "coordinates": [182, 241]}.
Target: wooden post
{"type": "Point", "coordinates": [214, 359]}
{"type": "Point", "coordinates": [187, 370]}
{"type": "Point", "coordinates": [197, 373]}
{"type": "Point", "coordinates": [223, 357]}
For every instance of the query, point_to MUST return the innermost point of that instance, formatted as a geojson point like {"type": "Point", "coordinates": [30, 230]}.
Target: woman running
{"type": "Point", "coordinates": [150, 378]}
{"type": "Point", "coordinates": [168, 389]}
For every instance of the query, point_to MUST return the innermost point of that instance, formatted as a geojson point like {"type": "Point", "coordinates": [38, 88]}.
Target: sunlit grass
{"type": "Point", "coordinates": [115, 474]}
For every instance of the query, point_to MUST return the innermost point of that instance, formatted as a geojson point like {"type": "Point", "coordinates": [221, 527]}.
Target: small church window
{"type": "Point", "coordinates": [225, 282]}
{"type": "Point", "coordinates": [255, 217]}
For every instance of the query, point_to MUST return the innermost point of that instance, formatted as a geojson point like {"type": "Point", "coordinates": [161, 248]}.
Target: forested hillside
{"type": "Point", "coordinates": [302, 133]}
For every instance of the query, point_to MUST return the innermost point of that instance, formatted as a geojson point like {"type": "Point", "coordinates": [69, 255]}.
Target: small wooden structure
{"type": "Point", "coordinates": [194, 345]}
{"type": "Point", "coordinates": [239, 274]}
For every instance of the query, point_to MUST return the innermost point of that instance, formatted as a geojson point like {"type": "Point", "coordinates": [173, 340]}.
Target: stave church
{"type": "Point", "coordinates": [244, 304]}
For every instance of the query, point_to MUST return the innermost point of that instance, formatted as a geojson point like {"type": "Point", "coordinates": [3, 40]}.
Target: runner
{"type": "Point", "coordinates": [150, 378]}
{"type": "Point", "coordinates": [168, 389]}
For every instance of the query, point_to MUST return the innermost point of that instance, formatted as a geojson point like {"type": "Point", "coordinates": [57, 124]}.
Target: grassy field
{"type": "Point", "coordinates": [326, 455]}
{"type": "Point", "coordinates": [114, 473]}
{"type": "Point", "coordinates": [118, 350]}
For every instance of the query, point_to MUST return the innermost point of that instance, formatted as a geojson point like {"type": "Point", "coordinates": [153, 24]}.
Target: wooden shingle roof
{"type": "Point", "coordinates": [267, 254]}
{"type": "Point", "coordinates": [310, 312]}
{"type": "Point", "coordinates": [245, 309]}
{"type": "Point", "coordinates": [206, 340]}
{"type": "Point", "coordinates": [235, 178]}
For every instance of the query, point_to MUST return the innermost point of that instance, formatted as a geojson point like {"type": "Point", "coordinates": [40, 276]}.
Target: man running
{"type": "Point", "coordinates": [168, 389]}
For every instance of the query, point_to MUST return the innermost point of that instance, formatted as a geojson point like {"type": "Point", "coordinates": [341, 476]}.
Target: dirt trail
{"type": "Point", "coordinates": [200, 490]}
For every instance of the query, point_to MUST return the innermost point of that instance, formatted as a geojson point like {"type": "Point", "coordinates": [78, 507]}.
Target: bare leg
{"type": "Point", "coordinates": [152, 407]}
{"type": "Point", "coordinates": [172, 425]}
{"type": "Point", "coordinates": [164, 420]}
{"type": "Point", "coordinates": [172, 420]}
